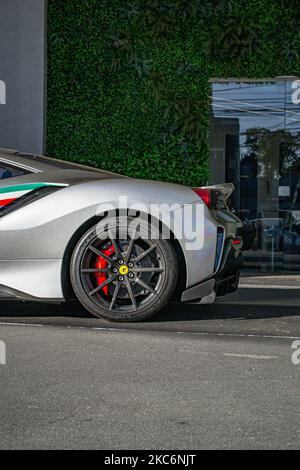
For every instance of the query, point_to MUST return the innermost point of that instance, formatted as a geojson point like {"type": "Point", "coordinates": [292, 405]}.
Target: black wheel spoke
{"type": "Point", "coordinates": [105, 283]}
{"type": "Point", "coordinates": [116, 248]}
{"type": "Point", "coordinates": [115, 295]}
{"type": "Point", "coordinates": [102, 255]}
{"type": "Point", "coordinates": [130, 292]}
{"type": "Point", "coordinates": [145, 253]}
{"type": "Point", "coordinates": [145, 286]}
{"type": "Point", "coordinates": [130, 247]}
{"type": "Point", "coordinates": [147, 270]}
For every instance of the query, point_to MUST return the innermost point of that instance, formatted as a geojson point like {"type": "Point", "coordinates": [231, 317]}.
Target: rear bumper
{"type": "Point", "coordinates": [224, 281]}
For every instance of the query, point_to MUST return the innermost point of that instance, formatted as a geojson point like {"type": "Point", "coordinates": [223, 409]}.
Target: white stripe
{"type": "Point", "coordinates": [266, 286]}
{"type": "Point", "coordinates": [13, 195]}
{"type": "Point", "coordinates": [250, 356]}
{"type": "Point", "coordinates": [194, 333]}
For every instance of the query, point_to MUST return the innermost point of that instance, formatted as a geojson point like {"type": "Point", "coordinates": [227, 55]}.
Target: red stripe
{"type": "Point", "coordinates": [5, 202]}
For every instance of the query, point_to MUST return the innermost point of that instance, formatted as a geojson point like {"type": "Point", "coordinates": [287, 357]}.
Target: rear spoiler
{"type": "Point", "coordinates": [225, 190]}
{"type": "Point", "coordinates": [222, 193]}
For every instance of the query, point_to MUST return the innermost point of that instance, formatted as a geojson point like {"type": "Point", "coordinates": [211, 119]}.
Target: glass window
{"type": "Point", "coordinates": [9, 171]}
{"type": "Point", "coordinates": [255, 140]}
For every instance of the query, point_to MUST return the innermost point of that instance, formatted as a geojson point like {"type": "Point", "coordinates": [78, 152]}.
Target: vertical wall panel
{"type": "Point", "coordinates": [22, 64]}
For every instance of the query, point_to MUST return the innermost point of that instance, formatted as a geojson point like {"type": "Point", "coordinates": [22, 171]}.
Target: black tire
{"type": "Point", "coordinates": [162, 269]}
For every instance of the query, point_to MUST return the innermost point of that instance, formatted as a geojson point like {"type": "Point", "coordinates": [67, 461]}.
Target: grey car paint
{"type": "Point", "coordinates": [35, 237]}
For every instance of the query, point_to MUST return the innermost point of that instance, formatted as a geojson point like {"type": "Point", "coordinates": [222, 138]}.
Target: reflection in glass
{"type": "Point", "coordinates": [255, 139]}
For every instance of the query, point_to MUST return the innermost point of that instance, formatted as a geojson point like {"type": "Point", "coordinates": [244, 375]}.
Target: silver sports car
{"type": "Point", "coordinates": [123, 247]}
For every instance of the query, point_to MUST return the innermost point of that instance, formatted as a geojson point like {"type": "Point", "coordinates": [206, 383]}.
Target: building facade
{"type": "Point", "coordinates": [255, 142]}
{"type": "Point", "coordinates": [22, 74]}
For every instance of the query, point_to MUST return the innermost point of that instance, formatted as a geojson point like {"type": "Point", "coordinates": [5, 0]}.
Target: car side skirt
{"type": "Point", "coordinates": [32, 279]}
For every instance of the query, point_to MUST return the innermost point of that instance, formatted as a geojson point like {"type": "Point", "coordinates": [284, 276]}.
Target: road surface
{"type": "Point", "coordinates": [194, 377]}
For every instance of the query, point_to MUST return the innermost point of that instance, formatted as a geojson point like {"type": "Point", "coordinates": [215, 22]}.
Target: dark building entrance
{"type": "Point", "coordinates": [255, 139]}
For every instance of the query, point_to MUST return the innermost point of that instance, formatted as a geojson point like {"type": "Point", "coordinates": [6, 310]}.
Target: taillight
{"type": "Point", "coordinates": [237, 243]}
{"type": "Point", "coordinates": [207, 196]}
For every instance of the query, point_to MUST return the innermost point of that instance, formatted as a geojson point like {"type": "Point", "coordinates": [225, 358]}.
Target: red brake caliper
{"type": "Point", "coordinates": [102, 264]}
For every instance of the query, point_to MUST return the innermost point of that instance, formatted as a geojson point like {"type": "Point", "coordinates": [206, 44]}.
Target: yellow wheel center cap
{"type": "Point", "coordinates": [123, 270]}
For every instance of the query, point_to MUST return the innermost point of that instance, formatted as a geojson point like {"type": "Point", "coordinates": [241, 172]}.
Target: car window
{"type": "Point", "coordinates": [9, 171]}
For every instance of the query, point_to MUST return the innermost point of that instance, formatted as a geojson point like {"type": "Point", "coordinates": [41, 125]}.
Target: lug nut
{"type": "Point", "coordinates": [131, 275]}
{"type": "Point", "coordinates": [121, 261]}
{"type": "Point", "coordinates": [130, 265]}
{"type": "Point", "coordinates": [115, 270]}
{"type": "Point", "coordinates": [121, 278]}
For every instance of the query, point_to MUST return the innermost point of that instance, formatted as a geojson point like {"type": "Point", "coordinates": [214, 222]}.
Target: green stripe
{"type": "Point", "coordinates": [24, 187]}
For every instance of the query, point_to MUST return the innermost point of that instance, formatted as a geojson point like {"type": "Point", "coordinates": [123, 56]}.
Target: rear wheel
{"type": "Point", "coordinates": [127, 278]}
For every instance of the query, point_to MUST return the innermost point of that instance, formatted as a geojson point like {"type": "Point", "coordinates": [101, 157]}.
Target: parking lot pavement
{"type": "Point", "coordinates": [84, 388]}
{"type": "Point", "coordinates": [217, 376]}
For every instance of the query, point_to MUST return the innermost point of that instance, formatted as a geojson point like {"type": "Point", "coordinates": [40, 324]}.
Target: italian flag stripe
{"type": "Point", "coordinates": [5, 202]}
{"type": "Point", "coordinates": [26, 187]}
{"type": "Point", "coordinates": [11, 193]}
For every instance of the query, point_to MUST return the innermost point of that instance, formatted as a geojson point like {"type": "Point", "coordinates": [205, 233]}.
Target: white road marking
{"type": "Point", "coordinates": [265, 286]}
{"type": "Point", "coordinates": [20, 324]}
{"type": "Point", "coordinates": [233, 335]}
{"type": "Point", "coordinates": [250, 356]}
{"type": "Point", "coordinates": [237, 335]}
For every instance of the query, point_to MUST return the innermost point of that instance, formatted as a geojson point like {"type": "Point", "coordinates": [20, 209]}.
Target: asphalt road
{"type": "Point", "coordinates": [194, 377]}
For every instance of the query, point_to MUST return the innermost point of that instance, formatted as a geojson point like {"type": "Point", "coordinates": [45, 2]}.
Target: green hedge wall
{"type": "Point", "coordinates": [128, 81]}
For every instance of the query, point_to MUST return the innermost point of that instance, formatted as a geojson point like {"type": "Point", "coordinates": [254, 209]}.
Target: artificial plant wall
{"type": "Point", "coordinates": [128, 81]}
